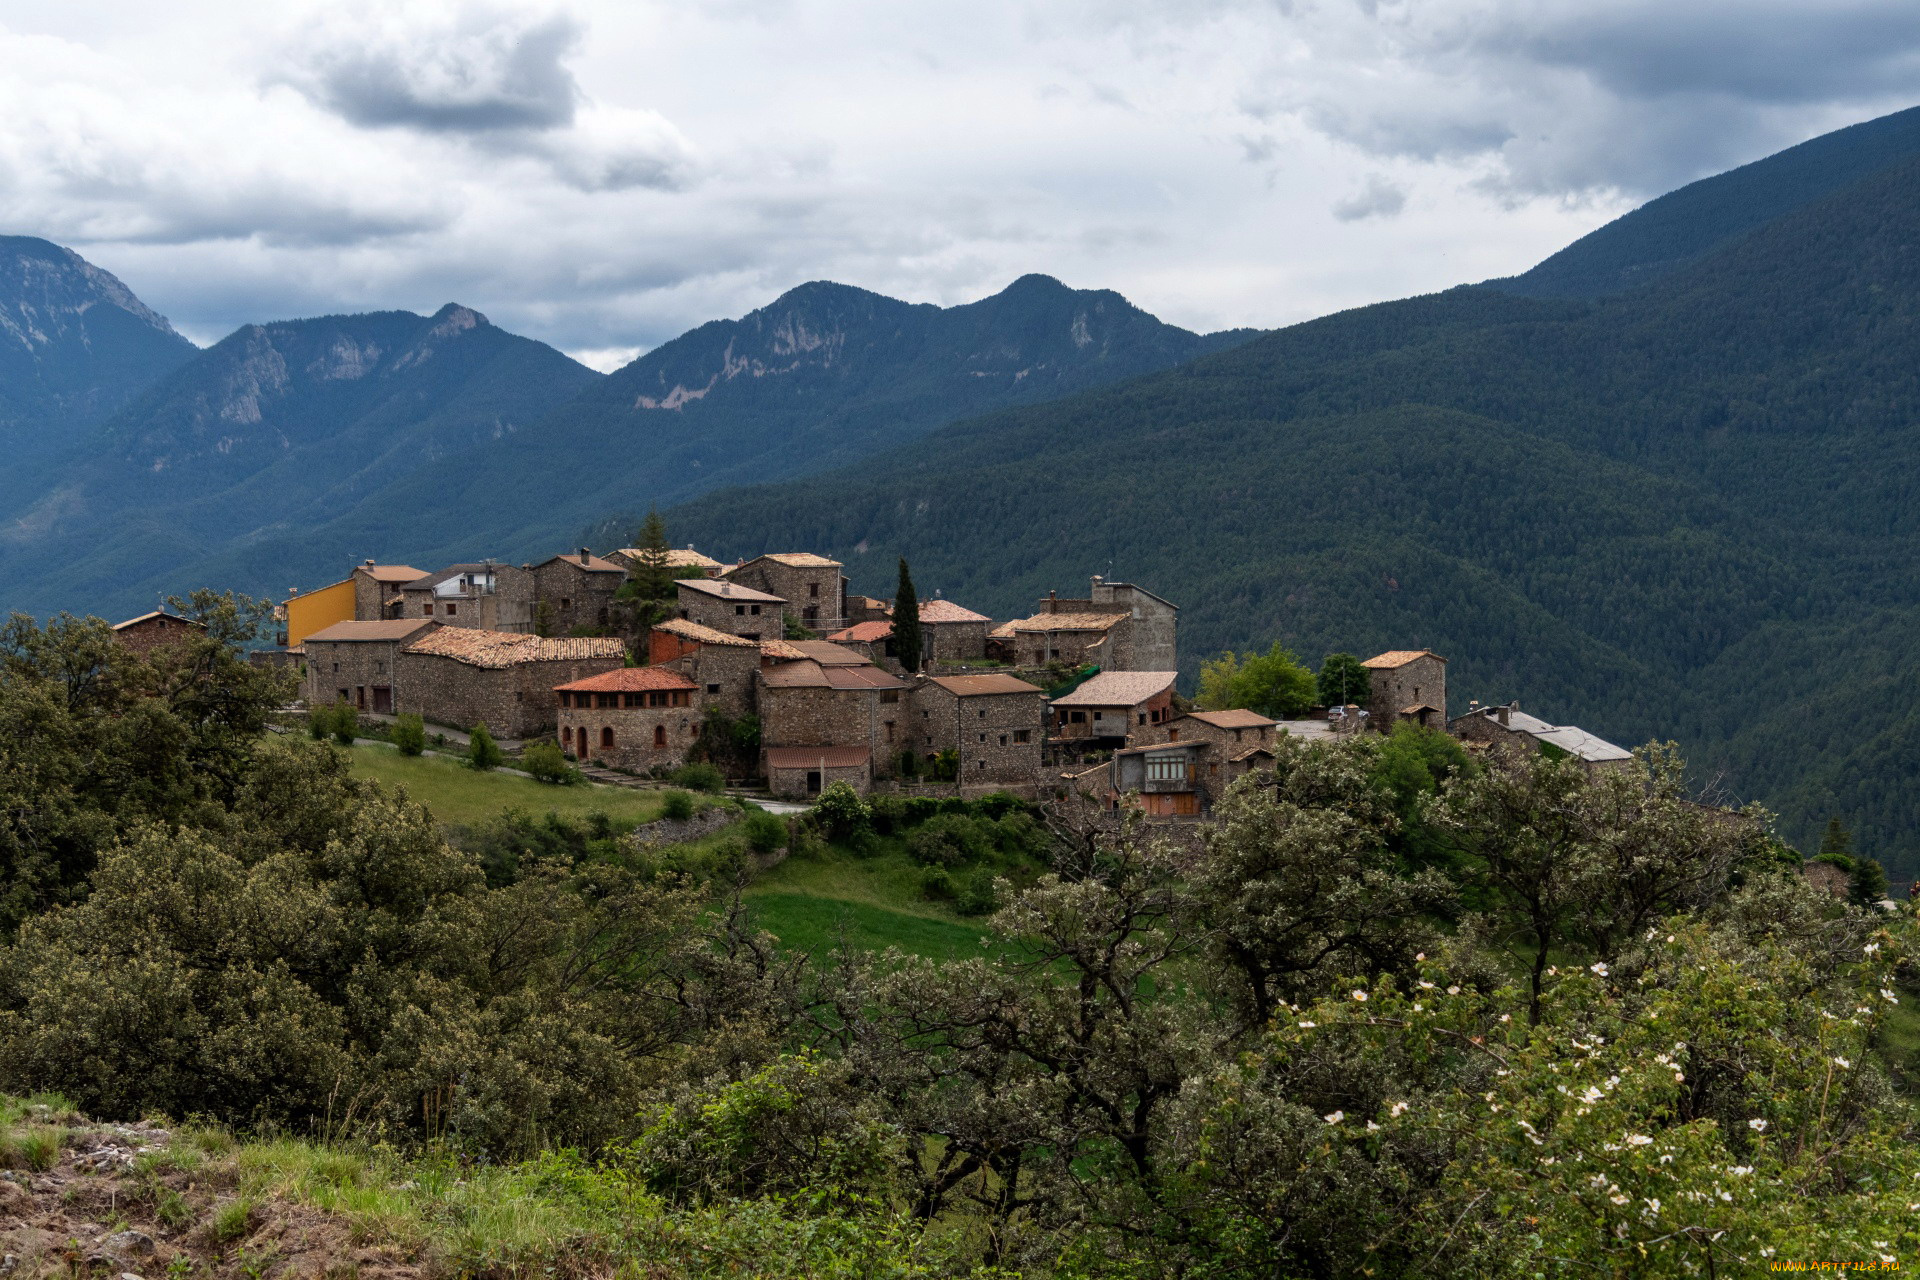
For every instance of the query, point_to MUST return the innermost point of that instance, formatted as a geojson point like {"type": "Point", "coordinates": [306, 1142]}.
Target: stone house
{"type": "Point", "coordinates": [873, 638]}
{"type": "Point", "coordinates": [486, 596]}
{"type": "Point", "coordinates": [802, 772]}
{"type": "Point", "coordinates": [1113, 707]}
{"type": "Point", "coordinates": [949, 633]}
{"type": "Point", "coordinates": [155, 630]}
{"type": "Point", "coordinates": [1408, 684]}
{"type": "Point", "coordinates": [810, 704]}
{"type": "Point", "coordinates": [460, 677]}
{"type": "Point", "coordinates": [812, 587]}
{"type": "Point", "coordinates": [1507, 728]}
{"type": "Point", "coordinates": [377, 587]}
{"type": "Point", "coordinates": [638, 718]}
{"type": "Point", "coordinates": [1118, 626]}
{"type": "Point", "coordinates": [728, 606]}
{"type": "Point", "coordinates": [1231, 732]}
{"type": "Point", "coordinates": [724, 667]}
{"type": "Point", "coordinates": [573, 591]}
{"type": "Point", "coordinates": [359, 662]}
{"type": "Point", "coordinates": [995, 724]}
{"type": "Point", "coordinates": [867, 609]}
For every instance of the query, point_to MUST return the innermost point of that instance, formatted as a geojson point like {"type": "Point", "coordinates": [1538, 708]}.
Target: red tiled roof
{"type": "Point", "coordinates": [631, 680]}
{"type": "Point", "coordinates": [976, 686]}
{"type": "Point", "coordinates": [779, 650]}
{"type": "Point", "coordinates": [817, 757]}
{"type": "Point", "coordinates": [1399, 658]}
{"type": "Point", "coordinates": [863, 632]}
{"type": "Point", "coordinates": [494, 649]}
{"type": "Point", "coordinates": [948, 611]}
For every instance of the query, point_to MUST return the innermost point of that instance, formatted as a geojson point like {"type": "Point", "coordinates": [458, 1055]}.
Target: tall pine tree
{"type": "Point", "coordinates": [906, 621]}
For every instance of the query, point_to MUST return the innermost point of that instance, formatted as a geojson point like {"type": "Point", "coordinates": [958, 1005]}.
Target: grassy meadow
{"type": "Point", "coordinates": [458, 796]}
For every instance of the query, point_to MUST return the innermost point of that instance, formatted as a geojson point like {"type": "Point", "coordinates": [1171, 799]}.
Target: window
{"type": "Point", "coordinates": [426, 610]}
{"type": "Point", "coordinates": [379, 668]}
{"type": "Point", "coordinates": [1022, 735]}
{"type": "Point", "coordinates": [659, 735]}
{"type": "Point", "coordinates": [686, 615]}
{"type": "Point", "coordinates": [979, 764]}
{"type": "Point", "coordinates": [983, 737]}
{"type": "Point", "coordinates": [713, 688]}
{"type": "Point", "coordinates": [1078, 717]}
{"type": "Point", "coordinates": [657, 699]}
{"type": "Point", "coordinates": [889, 728]}
{"type": "Point", "coordinates": [1143, 717]}
{"type": "Point", "coordinates": [608, 700]}
{"type": "Point", "coordinates": [452, 608]}
{"type": "Point", "coordinates": [606, 736]}
{"type": "Point", "coordinates": [1167, 766]}
{"type": "Point", "coordinates": [1003, 739]}
{"type": "Point", "coordinates": [1173, 735]}
{"type": "Point", "coordinates": [756, 611]}
{"type": "Point", "coordinates": [983, 713]}
{"type": "Point", "coordinates": [336, 668]}
{"type": "Point", "coordinates": [813, 589]}
{"type": "Point", "coordinates": [889, 695]}
{"type": "Point", "coordinates": [565, 603]}
{"type": "Point", "coordinates": [739, 611]}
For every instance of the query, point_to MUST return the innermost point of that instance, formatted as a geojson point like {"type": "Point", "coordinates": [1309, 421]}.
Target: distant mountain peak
{"type": "Point", "coordinates": [454, 318]}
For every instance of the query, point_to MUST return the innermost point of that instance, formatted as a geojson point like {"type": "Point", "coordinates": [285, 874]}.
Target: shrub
{"type": "Point", "coordinates": [344, 723]}
{"type": "Point", "coordinates": [410, 734]}
{"type": "Point", "coordinates": [949, 840]}
{"type": "Point", "coordinates": [546, 762]}
{"type": "Point", "coordinates": [765, 831]}
{"type": "Point", "coordinates": [483, 752]}
{"type": "Point", "coordinates": [918, 809]}
{"type": "Point", "coordinates": [841, 812]}
{"type": "Point", "coordinates": [699, 777]}
{"type": "Point", "coordinates": [320, 722]}
{"type": "Point", "coordinates": [678, 806]}
{"type": "Point", "coordinates": [937, 885]}
{"type": "Point", "coordinates": [998, 805]}
{"type": "Point", "coordinates": [864, 844]}
{"type": "Point", "coordinates": [979, 898]}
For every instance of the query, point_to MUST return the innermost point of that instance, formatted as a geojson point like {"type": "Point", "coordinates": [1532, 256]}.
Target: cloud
{"type": "Point", "coordinates": [1378, 199]}
{"type": "Point", "coordinates": [458, 70]}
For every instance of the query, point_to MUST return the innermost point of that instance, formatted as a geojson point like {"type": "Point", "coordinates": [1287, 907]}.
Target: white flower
{"type": "Point", "coordinates": [1335, 1117]}
{"type": "Point", "coordinates": [1308, 1024]}
{"type": "Point", "coordinates": [1419, 955]}
{"type": "Point", "coordinates": [1398, 1108]}
{"type": "Point", "coordinates": [1360, 996]}
{"type": "Point", "coordinates": [1453, 991]}
{"type": "Point", "coordinates": [1726, 1195]}
{"type": "Point", "coordinates": [1679, 1077]}
{"type": "Point", "coordinates": [1662, 1059]}
{"type": "Point", "coordinates": [1639, 1140]}
{"type": "Point", "coordinates": [1506, 1017]}
{"type": "Point", "coordinates": [1590, 1094]}
{"type": "Point", "coordinates": [1372, 1127]}
{"type": "Point", "coordinates": [1599, 967]}
{"type": "Point", "coordinates": [1425, 985]}
{"type": "Point", "coordinates": [1888, 996]}
{"type": "Point", "coordinates": [1871, 947]}
{"type": "Point", "coordinates": [1618, 1199]}
{"type": "Point", "coordinates": [1417, 1007]}
{"type": "Point", "coordinates": [1740, 1170]}
{"type": "Point", "coordinates": [1758, 1126]}
{"type": "Point", "coordinates": [1841, 1062]}
{"type": "Point", "coordinates": [1653, 1205]}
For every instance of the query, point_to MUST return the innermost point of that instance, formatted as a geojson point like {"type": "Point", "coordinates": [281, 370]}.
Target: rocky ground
{"type": "Point", "coordinates": [139, 1202]}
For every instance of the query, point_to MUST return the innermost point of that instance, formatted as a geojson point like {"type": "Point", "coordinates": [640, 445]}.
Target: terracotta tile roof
{"type": "Point", "coordinates": [863, 632]}
{"type": "Point", "coordinates": [779, 650]}
{"type": "Point", "coordinates": [593, 563]}
{"type": "Point", "coordinates": [703, 635]}
{"type": "Point", "coordinates": [948, 611]}
{"type": "Point", "coordinates": [677, 558]}
{"type": "Point", "coordinates": [383, 629]}
{"type": "Point", "coordinates": [631, 680]}
{"type": "Point", "coordinates": [1398, 658]}
{"type": "Point", "coordinates": [811, 675]}
{"type": "Point", "coordinates": [978, 686]}
{"type": "Point", "coordinates": [157, 613]}
{"type": "Point", "coordinates": [1237, 718]}
{"type": "Point", "coordinates": [1119, 689]}
{"type": "Point", "coordinates": [1061, 622]}
{"type": "Point", "coordinates": [797, 560]}
{"type": "Point", "coordinates": [495, 649]}
{"type": "Point", "coordinates": [1250, 752]}
{"type": "Point", "coordinates": [829, 654]}
{"type": "Point", "coordinates": [727, 591]}
{"type": "Point", "coordinates": [390, 572]}
{"type": "Point", "coordinates": [817, 757]}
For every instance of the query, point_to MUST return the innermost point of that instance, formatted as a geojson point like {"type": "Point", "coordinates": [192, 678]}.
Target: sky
{"type": "Point", "coordinates": [605, 174]}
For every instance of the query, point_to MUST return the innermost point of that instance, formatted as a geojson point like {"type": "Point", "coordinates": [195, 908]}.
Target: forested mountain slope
{"type": "Point", "coordinates": [75, 345]}
{"type": "Point", "coordinates": [1686, 510]}
{"type": "Point", "coordinates": [264, 438]}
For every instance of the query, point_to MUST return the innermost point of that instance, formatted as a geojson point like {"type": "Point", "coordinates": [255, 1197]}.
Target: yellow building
{"type": "Point", "coordinates": [316, 610]}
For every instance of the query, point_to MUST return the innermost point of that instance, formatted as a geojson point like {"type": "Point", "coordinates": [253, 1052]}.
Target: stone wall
{"type": "Point", "coordinates": [357, 670]}
{"type": "Point", "coordinates": [1419, 680]}
{"type": "Point", "coordinates": [956, 641]}
{"type": "Point", "coordinates": [1148, 639]}
{"type": "Point", "coordinates": [567, 596]}
{"type": "Point", "coordinates": [374, 600]}
{"type": "Point", "coordinates": [998, 738]}
{"type": "Point", "coordinates": [754, 619]}
{"type": "Point", "coordinates": [513, 702]}
{"type": "Point", "coordinates": [642, 738]}
{"type": "Point", "coordinates": [791, 784]}
{"type": "Point", "coordinates": [815, 594]}
{"type": "Point", "coordinates": [725, 674]}
{"type": "Point", "coordinates": [822, 717]}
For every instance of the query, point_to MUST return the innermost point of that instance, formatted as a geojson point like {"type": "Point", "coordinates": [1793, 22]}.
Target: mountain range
{"type": "Point", "coordinates": [1662, 485]}
{"type": "Point", "coordinates": [289, 450]}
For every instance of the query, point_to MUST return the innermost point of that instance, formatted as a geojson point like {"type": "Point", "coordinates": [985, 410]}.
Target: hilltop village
{"type": "Point", "coordinates": [773, 669]}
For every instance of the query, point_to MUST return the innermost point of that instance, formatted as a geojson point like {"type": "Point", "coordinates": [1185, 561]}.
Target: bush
{"type": "Point", "coordinates": [410, 734]}
{"type": "Point", "coordinates": [841, 812]}
{"type": "Point", "coordinates": [765, 831]}
{"type": "Point", "coordinates": [344, 723]}
{"type": "Point", "coordinates": [937, 885]}
{"type": "Point", "coordinates": [864, 844]}
{"type": "Point", "coordinates": [699, 777]}
{"type": "Point", "coordinates": [483, 752]}
{"type": "Point", "coordinates": [678, 806]}
{"type": "Point", "coordinates": [979, 898]}
{"type": "Point", "coordinates": [546, 762]}
{"type": "Point", "coordinates": [320, 722]}
{"type": "Point", "coordinates": [998, 805]}
{"type": "Point", "coordinates": [949, 840]}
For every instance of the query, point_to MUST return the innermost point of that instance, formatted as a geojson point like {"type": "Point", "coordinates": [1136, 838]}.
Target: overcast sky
{"type": "Point", "coordinates": [603, 176]}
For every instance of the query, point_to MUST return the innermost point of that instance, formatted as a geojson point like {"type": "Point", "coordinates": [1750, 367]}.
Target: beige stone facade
{"type": "Point", "coordinates": [460, 678]}
{"type": "Point", "coordinates": [1114, 705]}
{"type": "Point", "coordinates": [377, 587]}
{"type": "Point", "coordinates": [995, 725]}
{"type": "Point", "coordinates": [574, 591]}
{"type": "Point", "coordinates": [486, 597]}
{"type": "Point", "coordinates": [806, 704]}
{"type": "Point", "coordinates": [638, 718]}
{"type": "Point", "coordinates": [1116, 626]}
{"type": "Point", "coordinates": [359, 662]}
{"type": "Point", "coordinates": [812, 587]}
{"type": "Point", "coordinates": [801, 773]}
{"type": "Point", "coordinates": [725, 668]}
{"type": "Point", "coordinates": [731, 607]}
{"type": "Point", "coordinates": [1408, 684]}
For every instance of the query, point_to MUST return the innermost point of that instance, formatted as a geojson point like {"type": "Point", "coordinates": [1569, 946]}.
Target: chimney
{"type": "Point", "coordinates": [369, 564]}
{"type": "Point", "coordinates": [585, 555]}
{"type": "Point", "coordinates": [1506, 713]}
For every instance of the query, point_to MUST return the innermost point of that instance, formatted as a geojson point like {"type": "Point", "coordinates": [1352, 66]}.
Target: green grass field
{"type": "Point", "coordinates": [808, 900]}
{"type": "Point", "coordinates": [460, 797]}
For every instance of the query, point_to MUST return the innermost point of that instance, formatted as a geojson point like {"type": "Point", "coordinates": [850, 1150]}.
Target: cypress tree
{"type": "Point", "coordinates": [906, 621]}
{"type": "Point", "coordinates": [1837, 840]}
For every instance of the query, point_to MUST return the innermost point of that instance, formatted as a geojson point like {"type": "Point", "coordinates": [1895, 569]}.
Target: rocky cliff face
{"type": "Point", "coordinates": [75, 345]}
